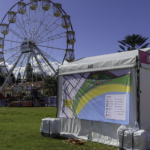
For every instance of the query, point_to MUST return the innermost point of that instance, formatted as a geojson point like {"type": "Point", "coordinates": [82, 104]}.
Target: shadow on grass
{"type": "Point", "coordinates": [60, 138]}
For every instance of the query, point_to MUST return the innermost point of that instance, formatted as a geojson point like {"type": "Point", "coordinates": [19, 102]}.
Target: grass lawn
{"type": "Point", "coordinates": [20, 130]}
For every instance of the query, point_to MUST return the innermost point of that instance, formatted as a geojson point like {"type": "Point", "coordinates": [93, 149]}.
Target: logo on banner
{"type": "Point", "coordinates": [144, 59]}
{"type": "Point", "coordinates": [148, 58]}
{"type": "Point", "coordinates": [68, 103]}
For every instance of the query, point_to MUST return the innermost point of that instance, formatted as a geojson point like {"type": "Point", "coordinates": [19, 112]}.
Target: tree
{"type": "Point", "coordinates": [18, 78]}
{"type": "Point", "coordinates": [13, 78]}
{"type": "Point", "coordinates": [133, 42]}
{"type": "Point", "coordinates": [38, 76]}
{"type": "Point", "coordinates": [29, 73]}
{"type": "Point", "coordinates": [2, 79]}
{"type": "Point", "coordinates": [51, 84]}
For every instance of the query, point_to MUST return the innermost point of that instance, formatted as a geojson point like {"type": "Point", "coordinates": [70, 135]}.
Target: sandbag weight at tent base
{"type": "Point", "coordinates": [122, 140]}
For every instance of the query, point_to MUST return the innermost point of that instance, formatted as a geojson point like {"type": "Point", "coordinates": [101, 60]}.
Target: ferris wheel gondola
{"type": "Point", "coordinates": [39, 33]}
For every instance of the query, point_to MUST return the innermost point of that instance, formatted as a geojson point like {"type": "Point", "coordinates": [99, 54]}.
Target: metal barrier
{"type": "Point", "coordinates": [15, 102]}
{"type": "Point", "coordinates": [50, 101]}
{"type": "Point", "coordinates": [2, 102]}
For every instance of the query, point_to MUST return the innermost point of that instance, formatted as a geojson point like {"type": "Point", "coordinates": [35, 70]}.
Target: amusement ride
{"type": "Point", "coordinates": [36, 33]}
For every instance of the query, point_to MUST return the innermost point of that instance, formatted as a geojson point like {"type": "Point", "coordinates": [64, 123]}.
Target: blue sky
{"type": "Point", "coordinates": [99, 24]}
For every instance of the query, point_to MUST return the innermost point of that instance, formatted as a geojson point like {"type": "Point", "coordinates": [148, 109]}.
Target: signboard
{"type": "Point", "coordinates": [24, 88]}
{"type": "Point", "coordinates": [29, 87]}
{"type": "Point", "coordinates": [115, 106]}
{"type": "Point", "coordinates": [144, 59]}
{"type": "Point", "coordinates": [25, 46]}
{"type": "Point", "coordinates": [50, 101]}
{"type": "Point", "coordinates": [17, 88]}
{"type": "Point", "coordinates": [98, 96]}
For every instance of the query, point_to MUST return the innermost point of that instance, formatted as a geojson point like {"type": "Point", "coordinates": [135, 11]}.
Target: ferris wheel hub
{"type": "Point", "coordinates": [27, 46]}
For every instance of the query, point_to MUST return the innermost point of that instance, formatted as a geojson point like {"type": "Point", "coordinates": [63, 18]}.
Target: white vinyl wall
{"type": "Point", "coordinates": [145, 99]}
{"type": "Point", "coordinates": [101, 132]}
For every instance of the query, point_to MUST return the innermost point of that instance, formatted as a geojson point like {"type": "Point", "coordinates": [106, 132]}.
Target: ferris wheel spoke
{"type": "Point", "coordinates": [41, 23]}
{"type": "Point", "coordinates": [47, 33]}
{"type": "Point", "coordinates": [12, 49]}
{"type": "Point", "coordinates": [12, 41]}
{"type": "Point", "coordinates": [21, 28]}
{"type": "Point", "coordinates": [52, 47]}
{"type": "Point", "coordinates": [50, 39]}
{"type": "Point", "coordinates": [14, 32]}
{"type": "Point", "coordinates": [43, 19]}
{"type": "Point", "coordinates": [46, 29]}
{"type": "Point", "coordinates": [12, 56]}
{"type": "Point", "coordinates": [54, 37]}
{"type": "Point", "coordinates": [52, 23]}
{"type": "Point", "coordinates": [38, 27]}
{"type": "Point", "coordinates": [24, 26]}
{"type": "Point", "coordinates": [27, 22]}
{"type": "Point", "coordinates": [35, 19]}
{"type": "Point", "coordinates": [12, 60]}
{"type": "Point", "coordinates": [34, 26]}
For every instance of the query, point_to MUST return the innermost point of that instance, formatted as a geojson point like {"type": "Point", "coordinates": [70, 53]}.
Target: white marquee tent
{"type": "Point", "coordinates": [97, 95]}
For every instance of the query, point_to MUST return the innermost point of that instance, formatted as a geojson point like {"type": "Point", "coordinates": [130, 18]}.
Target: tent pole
{"type": "Point", "coordinates": [138, 89]}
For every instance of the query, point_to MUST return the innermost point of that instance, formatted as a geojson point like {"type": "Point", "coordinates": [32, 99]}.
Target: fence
{"type": "Point", "coordinates": [2, 102]}
{"type": "Point", "coordinates": [50, 101]}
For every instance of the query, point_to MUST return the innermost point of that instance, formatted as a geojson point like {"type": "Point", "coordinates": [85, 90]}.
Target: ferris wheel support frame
{"type": "Point", "coordinates": [26, 68]}
{"type": "Point", "coordinates": [45, 59]}
{"type": "Point", "coordinates": [39, 64]}
{"type": "Point", "coordinates": [10, 72]}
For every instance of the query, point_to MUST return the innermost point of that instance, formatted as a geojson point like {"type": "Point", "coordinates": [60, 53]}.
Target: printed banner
{"type": "Point", "coordinates": [99, 96]}
{"type": "Point", "coordinates": [144, 59]}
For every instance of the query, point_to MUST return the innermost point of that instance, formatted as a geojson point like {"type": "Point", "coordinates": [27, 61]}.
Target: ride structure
{"type": "Point", "coordinates": [38, 34]}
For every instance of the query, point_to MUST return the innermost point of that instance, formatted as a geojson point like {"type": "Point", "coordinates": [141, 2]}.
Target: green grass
{"type": "Point", "coordinates": [20, 130]}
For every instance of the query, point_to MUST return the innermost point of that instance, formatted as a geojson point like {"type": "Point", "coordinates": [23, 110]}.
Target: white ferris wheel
{"type": "Point", "coordinates": [38, 32]}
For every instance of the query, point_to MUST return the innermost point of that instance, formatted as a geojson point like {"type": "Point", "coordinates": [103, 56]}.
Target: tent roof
{"type": "Point", "coordinates": [103, 62]}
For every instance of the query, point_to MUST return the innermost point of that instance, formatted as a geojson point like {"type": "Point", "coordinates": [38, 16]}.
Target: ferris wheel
{"type": "Point", "coordinates": [35, 32]}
